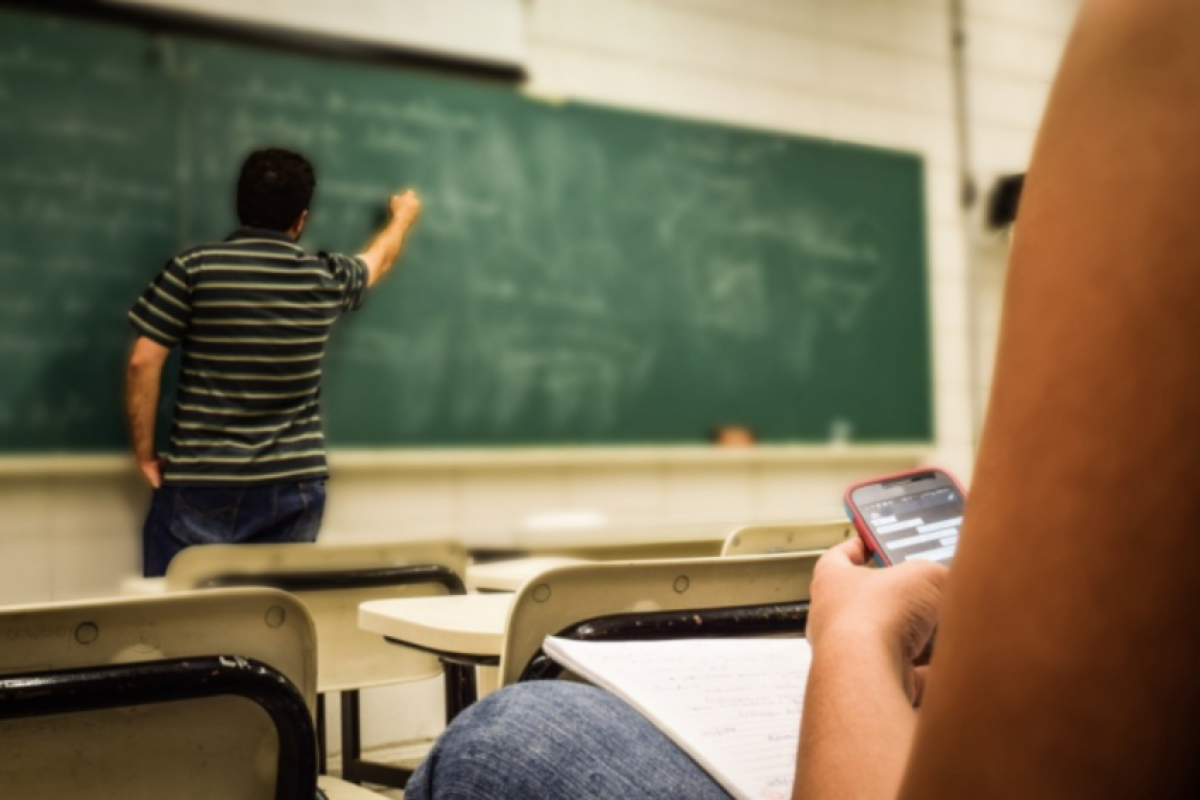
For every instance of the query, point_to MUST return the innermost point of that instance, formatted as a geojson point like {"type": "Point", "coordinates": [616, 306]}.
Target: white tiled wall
{"type": "Point", "coordinates": [870, 71]}
{"type": "Point", "coordinates": [1013, 51]}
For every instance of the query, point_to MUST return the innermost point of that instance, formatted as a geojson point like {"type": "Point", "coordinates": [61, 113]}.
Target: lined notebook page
{"type": "Point", "coordinates": [732, 704]}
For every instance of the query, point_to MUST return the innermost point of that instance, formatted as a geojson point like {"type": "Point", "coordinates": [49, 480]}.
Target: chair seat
{"type": "Point", "coordinates": [338, 789]}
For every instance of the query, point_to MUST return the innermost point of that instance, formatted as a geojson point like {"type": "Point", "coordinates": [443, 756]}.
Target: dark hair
{"type": "Point", "coordinates": [274, 188]}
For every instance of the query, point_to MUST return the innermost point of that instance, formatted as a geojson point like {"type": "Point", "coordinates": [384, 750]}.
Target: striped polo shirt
{"type": "Point", "coordinates": [252, 314]}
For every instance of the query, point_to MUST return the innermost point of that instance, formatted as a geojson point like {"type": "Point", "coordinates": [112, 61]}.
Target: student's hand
{"type": "Point", "coordinates": [152, 472]}
{"type": "Point", "coordinates": [405, 207]}
{"type": "Point", "coordinates": [895, 607]}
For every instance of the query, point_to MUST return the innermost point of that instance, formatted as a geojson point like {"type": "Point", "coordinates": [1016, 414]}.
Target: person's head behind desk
{"type": "Point", "coordinates": [274, 190]}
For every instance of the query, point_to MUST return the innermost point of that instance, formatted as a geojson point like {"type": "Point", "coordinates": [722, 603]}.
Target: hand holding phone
{"type": "Point", "coordinates": [910, 516]}
{"type": "Point", "coordinates": [899, 607]}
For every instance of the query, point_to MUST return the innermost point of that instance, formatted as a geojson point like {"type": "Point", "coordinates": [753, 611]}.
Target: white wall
{"type": "Point", "coordinates": [1013, 51]}
{"type": "Point", "coordinates": [484, 30]}
{"type": "Point", "coordinates": [871, 71]}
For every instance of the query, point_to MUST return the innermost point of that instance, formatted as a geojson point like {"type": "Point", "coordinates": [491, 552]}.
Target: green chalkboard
{"type": "Point", "coordinates": [580, 274]}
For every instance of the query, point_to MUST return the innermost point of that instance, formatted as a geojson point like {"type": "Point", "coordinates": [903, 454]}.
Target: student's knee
{"type": "Point", "coordinates": [557, 739]}
{"type": "Point", "coordinates": [536, 715]}
{"type": "Point", "coordinates": [513, 740]}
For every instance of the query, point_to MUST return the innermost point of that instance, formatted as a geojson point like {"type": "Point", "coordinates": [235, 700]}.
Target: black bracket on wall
{"type": "Point", "coordinates": [1004, 200]}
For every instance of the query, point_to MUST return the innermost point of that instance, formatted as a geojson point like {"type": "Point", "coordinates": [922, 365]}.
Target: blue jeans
{"type": "Point", "coordinates": [557, 740]}
{"type": "Point", "coordinates": [181, 516]}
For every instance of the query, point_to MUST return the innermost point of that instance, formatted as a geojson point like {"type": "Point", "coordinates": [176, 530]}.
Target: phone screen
{"type": "Point", "coordinates": [915, 518]}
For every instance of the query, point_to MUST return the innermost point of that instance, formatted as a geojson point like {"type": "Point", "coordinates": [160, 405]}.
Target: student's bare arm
{"type": "Point", "coordinates": [143, 379]}
{"type": "Point", "coordinates": [1070, 641]}
{"type": "Point", "coordinates": [867, 628]}
{"type": "Point", "coordinates": [385, 248]}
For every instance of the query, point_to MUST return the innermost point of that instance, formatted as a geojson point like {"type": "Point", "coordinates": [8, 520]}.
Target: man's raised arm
{"type": "Point", "coordinates": [385, 248]}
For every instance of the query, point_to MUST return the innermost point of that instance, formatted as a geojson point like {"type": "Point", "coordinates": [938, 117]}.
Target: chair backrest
{"type": "Point", "coordinates": [786, 538]}
{"type": "Point", "coordinates": [95, 675]}
{"type": "Point", "coordinates": [563, 597]}
{"type": "Point", "coordinates": [332, 580]}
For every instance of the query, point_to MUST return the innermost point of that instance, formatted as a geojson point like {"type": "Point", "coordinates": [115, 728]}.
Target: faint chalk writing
{"type": "Point", "coordinates": [77, 128]}
{"type": "Point", "coordinates": [76, 306]}
{"type": "Point", "coordinates": [749, 155]}
{"type": "Point", "coordinates": [261, 92]}
{"type": "Point", "coordinates": [69, 265]}
{"type": "Point", "coordinates": [252, 129]}
{"type": "Point", "coordinates": [70, 411]}
{"type": "Point", "coordinates": [421, 112]}
{"type": "Point", "coordinates": [711, 149]}
{"type": "Point", "coordinates": [581, 378]}
{"type": "Point", "coordinates": [17, 345]}
{"type": "Point", "coordinates": [50, 213]}
{"type": "Point", "coordinates": [110, 72]}
{"type": "Point", "coordinates": [390, 141]}
{"type": "Point", "coordinates": [417, 365]}
{"type": "Point", "coordinates": [346, 190]}
{"type": "Point", "coordinates": [87, 182]}
{"type": "Point", "coordinates": [564, 300]}
{"type": "Point", "coordinates": [733, 297]}
{"type": "Point", "coordinates": [16, 306]}
{"type": "Point", "coordinates": [21, 58]}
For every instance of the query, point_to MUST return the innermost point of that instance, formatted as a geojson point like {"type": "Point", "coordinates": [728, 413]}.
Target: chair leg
{"type": "Point", "coordinates": [354, 768]}
{"type": "Point", "coordinates": [461, 690]}
{"type": "Point", "coordinates": [351, 737]}
{"type": "Point", "coordinates": [322, 745]}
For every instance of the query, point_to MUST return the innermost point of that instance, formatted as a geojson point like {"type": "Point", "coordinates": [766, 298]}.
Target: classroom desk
{"type": "Point", "coordinates": [463, 631]}
{"type": "Point", "coordinates": [510, 575]}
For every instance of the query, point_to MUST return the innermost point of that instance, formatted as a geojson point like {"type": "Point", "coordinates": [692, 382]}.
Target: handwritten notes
{"type": "Point", "coordinates": [733, 705]}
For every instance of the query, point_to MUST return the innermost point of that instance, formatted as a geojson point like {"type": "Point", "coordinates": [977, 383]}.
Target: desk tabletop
{"type": "Point", "coordinates": [467, 624]}
{"type": "Point", "coordinates": [512, 574]}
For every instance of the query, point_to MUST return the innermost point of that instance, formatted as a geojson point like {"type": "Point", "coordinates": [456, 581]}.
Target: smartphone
{"type": "Point", "coordinates": [912, 516]}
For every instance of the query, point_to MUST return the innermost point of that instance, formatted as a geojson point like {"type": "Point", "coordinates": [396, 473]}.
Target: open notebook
{"type": "Point", "coordinates": [732, 704]}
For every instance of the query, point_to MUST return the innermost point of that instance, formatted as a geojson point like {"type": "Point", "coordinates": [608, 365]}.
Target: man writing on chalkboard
{"type": "Point", "coordinates": [246, 461]}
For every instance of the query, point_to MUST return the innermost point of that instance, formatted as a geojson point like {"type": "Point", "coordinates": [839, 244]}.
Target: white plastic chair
{"type": "Point", "coordinates": [191, 696]}
{"type": "Point", "coordinates": [668, 598]}
{"type": "Point", "coordinates": [332, 580]}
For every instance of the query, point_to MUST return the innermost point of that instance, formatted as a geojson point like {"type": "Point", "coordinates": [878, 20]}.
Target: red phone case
{"type": "Point", "coordinates": [860, 525]}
